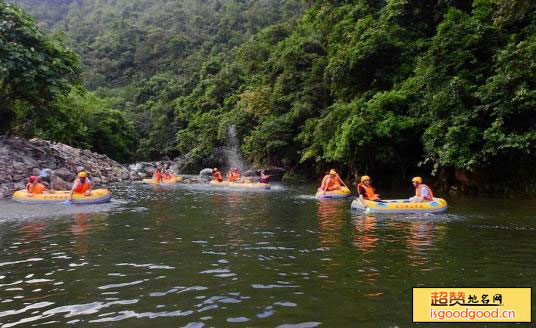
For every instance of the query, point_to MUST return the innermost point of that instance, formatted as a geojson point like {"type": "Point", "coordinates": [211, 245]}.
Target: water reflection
{"type": "Point", "coordinates": [331, 221]}
{"type": "Point", "coordinates": [365, 237]}
{"type": "Point", "coordinates": [204, 257]}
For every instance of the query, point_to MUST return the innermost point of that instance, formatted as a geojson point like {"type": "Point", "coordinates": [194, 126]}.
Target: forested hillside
{"type": "Point", "coordinates": [125, 41]}
{"type": "Point", "coordinates": [385, 87]}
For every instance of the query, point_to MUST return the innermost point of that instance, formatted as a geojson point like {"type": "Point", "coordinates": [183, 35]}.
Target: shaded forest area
{"type": "Point", "coordinates": [389, 88]}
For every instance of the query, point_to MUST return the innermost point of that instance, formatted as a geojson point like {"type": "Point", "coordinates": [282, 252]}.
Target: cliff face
{"type": "Point", "coordinates": [21, 158]}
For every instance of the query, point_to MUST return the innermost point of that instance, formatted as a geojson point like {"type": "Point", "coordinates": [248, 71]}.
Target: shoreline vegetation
{"type": "Point", "coordinates": [392, 89]}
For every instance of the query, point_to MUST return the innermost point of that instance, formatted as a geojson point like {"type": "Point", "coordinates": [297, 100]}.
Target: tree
{"type": "Point", "coordinates": [34, 71]}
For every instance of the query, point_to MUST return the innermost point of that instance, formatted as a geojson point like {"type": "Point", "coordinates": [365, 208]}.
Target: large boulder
{"type": "Point", "coordinates": [65, 174]}
{"type": "Point", "coordinates": [60, 184]}
{"type": "Point", "coordinates": [206, 172]}
{"type": "Point", "coordinates": [252, 173]}
{"type": "Point", "coordinates": [276, 173]}
{"type": "Point", "coordinates": [149, 169]}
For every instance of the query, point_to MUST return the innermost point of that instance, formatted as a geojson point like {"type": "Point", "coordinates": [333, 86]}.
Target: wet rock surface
{"type": "Point", "coordinates": [146, 169]}
{"type": "Point", "coordinates": [21, 158]}
{"type": "Point", "coordinates": [276, 173]}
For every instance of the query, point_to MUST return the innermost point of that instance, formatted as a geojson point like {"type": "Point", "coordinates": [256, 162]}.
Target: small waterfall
{"type": "Point", "coordinates": [231, 151]}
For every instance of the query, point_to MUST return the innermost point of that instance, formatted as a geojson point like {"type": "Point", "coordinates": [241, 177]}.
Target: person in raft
{"type": "Point", "coordinates": [366, 191]}
{"type": "Point", "coordinates": [216, 175]}
{"type": "Point", "coordinates": [423, 193]}
{"type": "Point", "coordinates": [264, 178]}
{"type": "Point", "coordinates": [81, 185]}
{"type": "Point", "coordinates": [167, 175]}
{"type": "Point", "coordinates": [157, 174]}
{"type": "Point", "coordinates": [234, 175]}
{"type": "Point", "coordinates": [34, 186]}
{"type": "Point", "coordinates": [331, 182]}
{"type": "Point", "coordinates": [47, 175]}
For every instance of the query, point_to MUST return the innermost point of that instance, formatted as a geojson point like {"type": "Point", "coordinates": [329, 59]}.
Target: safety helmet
{"type": "Point", "coordinates": [365, 178]}
{"type": "Point", "coordinates": [215, 169]}
{"type": "Point", "coordinates": [82, 175]}
{"type": "Point", "coordinates": [417, 180]}
{"type": "Point", "coordinates": [332, 172]}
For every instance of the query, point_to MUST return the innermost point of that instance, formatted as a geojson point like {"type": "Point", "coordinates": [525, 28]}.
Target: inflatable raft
{"type": "Point", "coordinates": [97, 196]}
{"type": "Point", "coordinates": [241, 185]}
{"type": "Point", "coordinates": [397, 206]}
{"type": "Point", "coordinates": [219, 184]}
{"type": "Point", "coordinates": [171, 181]}
{"type": "Point", "coordinates": [340, 193]}
{"type": "Point", "coordinates": [249, 185]}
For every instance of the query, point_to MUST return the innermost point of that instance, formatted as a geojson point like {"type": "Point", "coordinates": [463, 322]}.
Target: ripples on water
{"type": "Point", "coordinates": [194, 256]}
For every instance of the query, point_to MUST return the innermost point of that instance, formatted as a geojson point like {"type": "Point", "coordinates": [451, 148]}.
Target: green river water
{"type": "Point", "coordinates": [193, 256]}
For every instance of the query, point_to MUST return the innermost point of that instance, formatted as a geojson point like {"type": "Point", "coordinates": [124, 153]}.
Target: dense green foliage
{"type": "Point", "coordinates": [365, 85]}
{"type": "Point", "coordinates": [123, 42]}
{"type": "Point", "coordinates": [41, 95]}
{"type": "Point", "coordinates": [369, 86]}
{"type": "Point", "coordinates": [34, 69]}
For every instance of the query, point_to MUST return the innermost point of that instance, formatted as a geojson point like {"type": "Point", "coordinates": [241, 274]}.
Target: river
{"type": "Point", "coordinates": [192, 256]}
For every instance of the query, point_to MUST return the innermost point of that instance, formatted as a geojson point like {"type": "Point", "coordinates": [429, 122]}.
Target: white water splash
{"type": "Point", "coordinates": [231, 152]}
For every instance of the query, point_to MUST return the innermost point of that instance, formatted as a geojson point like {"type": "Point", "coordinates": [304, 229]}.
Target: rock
{"type": "Point", "coordinates": [252, 173]}
{"type": "Point", "coordinates": [125, 175]}
{"type": "Point", "coordinates": [174, 168]}
{"type": "Point", "coordinates": [65, 174]}
{"type": "Point", "coordinates": [19, 186]}
{"type": "Point", "coordinates": [50, 164]}
{"type": "Point", "coordinates": [19, 177]}
{"type": "Point", "coordinates": [20, 158]}
{"type": "Point", "coordinates": [30, 162]}
{"type": "Point", "coordinates": [277, 173]}
{"type": "Point", "coordinates": [60, 184]}
{"type": "Point", "coordinates": [138, 167]}
{"type": "Point", "coordinates": [206, 172]}
{"type": "Point", "coordinates": [149, 169]}
{"type": "Point", "coordinates": [19, 166]}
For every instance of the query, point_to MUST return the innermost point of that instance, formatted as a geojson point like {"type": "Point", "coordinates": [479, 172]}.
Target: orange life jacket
{"type": "Point", "coordinates": [234, 176]}
{"type": "Point", "coordinates": [82, 187]}
{"type": "Point", "coordinates": [370, 195]}
{"type": "Point", "coordinates": [418, 189]}
{"type": "Point", "coordinates": [334, 183]}
{"type": "Point", "coordinates": [157, 176]}
{"type": "Point", "coordinates": [217, 176]}
{"type": "Point", "coordinates": [35, 189]}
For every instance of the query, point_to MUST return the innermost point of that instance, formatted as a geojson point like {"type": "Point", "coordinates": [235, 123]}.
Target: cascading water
{"type": "Point", "coordinates": [232, 154]}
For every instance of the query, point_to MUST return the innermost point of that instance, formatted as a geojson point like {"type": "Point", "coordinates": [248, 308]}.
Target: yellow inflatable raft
{"type": "Point", "coordinates": [219, 184]}
{"type": "Point", "coordinates": [395, 206]}
{"type": "Point", "coordinates": [241, 185]}
{"type": "Point", "coordinates": [97, 196]}
{"type": "Point", "coordinates": [249, 185]}
{"type": "Point", "coordinates": [340, 193]}
{"type": "Point", "coordinates": [171, 181]}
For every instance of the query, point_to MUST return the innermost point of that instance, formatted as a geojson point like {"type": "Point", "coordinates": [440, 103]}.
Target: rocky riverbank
{"type": "Point", "coordinates": [20, 158]}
